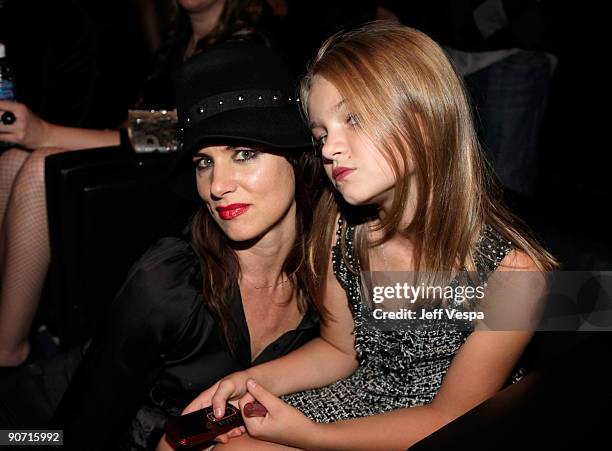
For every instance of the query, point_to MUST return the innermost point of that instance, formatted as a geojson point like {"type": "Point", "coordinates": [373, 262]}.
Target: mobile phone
{"type": "Point", "coordinates": [201, 426]}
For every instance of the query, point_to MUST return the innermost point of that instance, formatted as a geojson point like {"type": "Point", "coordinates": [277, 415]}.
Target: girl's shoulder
{"type": "Point", "coordinates": [518, 260]}
{"type": "Point", "coordinates": [496, 251]}
{"type": "Point", "coordinates": [491, 249]}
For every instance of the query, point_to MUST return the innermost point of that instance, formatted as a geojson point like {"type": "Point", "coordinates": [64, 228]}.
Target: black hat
{"type": "Point", "coordinates": [238, 91]}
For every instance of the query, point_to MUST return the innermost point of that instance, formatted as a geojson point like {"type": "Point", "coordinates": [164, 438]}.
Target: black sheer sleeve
{"type": "Point", "coordinates": [158, 308]}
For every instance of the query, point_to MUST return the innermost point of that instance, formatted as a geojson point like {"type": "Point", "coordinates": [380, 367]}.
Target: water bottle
{"type": "Point", "coordinates": [7, 92]}
{"type": "Point", "coordinates": [7, 86]}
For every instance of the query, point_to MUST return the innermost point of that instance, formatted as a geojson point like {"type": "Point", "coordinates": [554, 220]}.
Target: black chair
{"type": "Point", "coordinates": [105, 208]}
{"type": "Point", "coordinates": [563, 405]}
{"type": "Point", "coordinates": [563, 402]}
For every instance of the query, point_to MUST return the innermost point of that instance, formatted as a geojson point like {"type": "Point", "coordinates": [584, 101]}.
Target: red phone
{"type": "Point", "coordinates": [201, 426]}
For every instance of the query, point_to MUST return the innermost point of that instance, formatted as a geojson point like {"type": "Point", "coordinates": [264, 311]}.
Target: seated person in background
{"type": "Point", "coordinates": [237, 291]}
{"type": "Point", "coordinates": [395, 131]}
{"type": "Point", "coordinates": [24, 240]}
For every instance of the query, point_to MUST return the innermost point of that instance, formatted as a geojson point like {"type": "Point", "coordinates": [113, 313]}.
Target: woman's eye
{"type": "Point", "coordinates": [245, 154]}
{"type": "Point", "coordinates": [320, 141]}
{"type": "Point", "coordinates": [203, 163]}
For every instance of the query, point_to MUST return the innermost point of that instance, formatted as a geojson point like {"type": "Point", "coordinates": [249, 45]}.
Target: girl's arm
{"type": "Point", "coordinates": [478, 371]}
{"type": "Point", "coordinates": [319, 362]}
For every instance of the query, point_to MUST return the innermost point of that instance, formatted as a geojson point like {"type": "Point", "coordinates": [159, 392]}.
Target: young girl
{"type": "Point", "coordinates": [395, 130]}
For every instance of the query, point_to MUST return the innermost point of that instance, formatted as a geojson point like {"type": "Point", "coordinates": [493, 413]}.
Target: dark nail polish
{"type": "Point", "coordinates": [253, 409]}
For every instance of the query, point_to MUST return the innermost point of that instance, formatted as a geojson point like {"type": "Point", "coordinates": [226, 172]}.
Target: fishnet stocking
{"type": "Point", "coordinates": [11, 161]}
{"type": "Point", "coordinates": [25, 257]}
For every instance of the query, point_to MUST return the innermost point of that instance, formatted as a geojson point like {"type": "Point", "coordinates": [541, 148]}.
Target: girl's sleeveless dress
{"type": "Point", "coordinates": [397, 368]}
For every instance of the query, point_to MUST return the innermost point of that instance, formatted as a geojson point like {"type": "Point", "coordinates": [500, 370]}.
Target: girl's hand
{"type": "Point", "coordinates": [28, 130]}
{"type": "Point", "coordinates": [282, 424]}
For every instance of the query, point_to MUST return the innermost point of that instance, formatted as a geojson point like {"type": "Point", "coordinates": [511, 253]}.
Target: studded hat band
{"type": "Point", "coordinates": [234, 100]}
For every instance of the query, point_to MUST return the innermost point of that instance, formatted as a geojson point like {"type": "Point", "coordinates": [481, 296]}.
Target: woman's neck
{"type": "Point", "coordinates": [262, 266]}
{"type": "Point", "coordinates": [262, 263]}
{"type": "Point", "coordinates": [204, 21]}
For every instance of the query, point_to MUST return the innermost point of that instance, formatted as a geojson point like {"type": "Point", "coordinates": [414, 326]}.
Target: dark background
{"type": "Point", "coordinates": [573, 184]}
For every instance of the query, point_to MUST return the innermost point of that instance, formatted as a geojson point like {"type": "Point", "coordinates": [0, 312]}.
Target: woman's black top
{"type": "Point", "coordinates": [160, 346]}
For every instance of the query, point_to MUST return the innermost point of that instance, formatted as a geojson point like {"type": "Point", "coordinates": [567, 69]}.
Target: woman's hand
{"type": "Point", "coordinates": [282, 424]}
{"type": "Point", "coordinates": [28, 130]}
{"type": "Point", "coordinates": [228, 389]}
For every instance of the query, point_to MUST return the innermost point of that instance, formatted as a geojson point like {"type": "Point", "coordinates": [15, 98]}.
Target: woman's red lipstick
{"type": "Point", "coordinates": [340, 172]}
{"type": "Point", "coordinates": [232, 211]}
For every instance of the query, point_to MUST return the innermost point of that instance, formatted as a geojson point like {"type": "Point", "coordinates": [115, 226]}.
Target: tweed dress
{"type": "Point", "coordinates": [397, 368]}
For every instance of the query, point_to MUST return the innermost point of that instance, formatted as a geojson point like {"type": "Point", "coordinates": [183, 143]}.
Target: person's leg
{"type": "Point", "coordinates": [246, 442]}
{"type": "Point", "coordinates": [239, 443]}
{"type": "Point", "coordinates": [11, 161]}
{"type": "Point", "coordinates": [25, 257]}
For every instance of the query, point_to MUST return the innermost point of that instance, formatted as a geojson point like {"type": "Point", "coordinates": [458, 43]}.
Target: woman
{"type": "Point", "coordinates": [395, 131]}
{"type": "Point", "coordinates": [236, 292]}
{"type": "Point", "coordinates": [24, 240]}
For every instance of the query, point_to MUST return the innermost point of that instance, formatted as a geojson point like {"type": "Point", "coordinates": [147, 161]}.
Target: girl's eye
{"type": "Point", "coordinates": [352, 120]}
{"type": "Point", "coordinates": [245, 154]}
{"type": "Point", "coordinates": [203, 163]}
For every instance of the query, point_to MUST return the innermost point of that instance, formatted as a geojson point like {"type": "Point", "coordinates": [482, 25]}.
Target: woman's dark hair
{"type": "Point", "coordinates": [220, 265]}
{"type": "Point", "coordinates": [237, 15]}
{"type": "Point", "coordinates": [239, 18]}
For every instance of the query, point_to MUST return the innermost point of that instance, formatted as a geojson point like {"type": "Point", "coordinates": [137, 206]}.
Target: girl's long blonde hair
{"type": "Point", "coordinates": [411, 102]}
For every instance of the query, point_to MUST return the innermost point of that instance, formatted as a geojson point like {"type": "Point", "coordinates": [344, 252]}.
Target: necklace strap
{"type": "Point", "coordinates": [382, 251]}
{"type": "Point", "coordinates": [266, 286]}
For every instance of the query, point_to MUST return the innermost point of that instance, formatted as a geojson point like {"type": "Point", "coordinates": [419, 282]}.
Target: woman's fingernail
{"type": "Point", "coordinates": [218, 412]}
{"type": "Point", "coordinates": [251, 383]}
